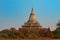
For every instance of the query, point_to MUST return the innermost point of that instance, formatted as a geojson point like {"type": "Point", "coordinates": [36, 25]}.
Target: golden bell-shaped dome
{"type": "Point", "coordinates": [32, 16]}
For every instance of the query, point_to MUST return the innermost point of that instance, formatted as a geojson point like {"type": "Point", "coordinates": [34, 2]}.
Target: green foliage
{"type": "Point", "coordinates": [33, 34]}
{"type": "Point", "coordinates": [13, 33]}
{"type": "Point", "coordinates": [57, 33]}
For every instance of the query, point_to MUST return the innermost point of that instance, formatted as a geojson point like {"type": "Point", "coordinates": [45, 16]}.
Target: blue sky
{"type": "Point", "coordinates": [13, 13]}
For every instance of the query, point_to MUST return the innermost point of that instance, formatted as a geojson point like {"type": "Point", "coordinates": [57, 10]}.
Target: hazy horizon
{"type": "Point", "coordinates": [14, 13]}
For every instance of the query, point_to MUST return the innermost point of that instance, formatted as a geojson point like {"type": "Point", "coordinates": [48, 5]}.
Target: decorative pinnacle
{"type": "Point", "coordinates": [32, 9]}
{"type": "Point", "coordinates": [32, 12]}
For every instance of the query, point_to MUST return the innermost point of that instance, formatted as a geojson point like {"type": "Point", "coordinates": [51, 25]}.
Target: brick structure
{"type": "Point", "coordinates": [32, 24]}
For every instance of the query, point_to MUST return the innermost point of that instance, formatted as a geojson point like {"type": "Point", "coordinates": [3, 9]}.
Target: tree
{"type": "Point", "coordinates": [57, 31]}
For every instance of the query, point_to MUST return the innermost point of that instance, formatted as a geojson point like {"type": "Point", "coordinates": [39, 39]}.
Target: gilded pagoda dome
{"type": "Point", "coordinates": [32, 17]}
{"type": "Point", "coordinates": [32, 22]}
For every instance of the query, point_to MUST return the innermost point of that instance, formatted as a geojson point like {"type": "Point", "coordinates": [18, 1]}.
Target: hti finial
{"type": "Point", "coordinates": [32, 9]}
{"type": "Point", "coordinates": [32, 12]}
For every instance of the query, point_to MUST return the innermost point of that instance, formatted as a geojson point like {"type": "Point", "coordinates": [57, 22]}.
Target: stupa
{"type": "Point", "coordinates": [34, 27]}
{"type": "Point", "coordinates": [32, 23]}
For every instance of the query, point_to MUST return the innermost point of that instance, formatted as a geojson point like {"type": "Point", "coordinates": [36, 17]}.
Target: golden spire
{"type": "Point", "coordinates": [32, 16]}
{"type": "Point", "coordinates": [32, 12]}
